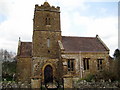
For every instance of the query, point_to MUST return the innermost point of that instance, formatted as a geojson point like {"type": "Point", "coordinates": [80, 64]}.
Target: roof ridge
{"type": "Point", "coordinates": [78, 37]}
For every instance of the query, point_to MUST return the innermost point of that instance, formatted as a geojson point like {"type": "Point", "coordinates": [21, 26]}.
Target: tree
{"type": "Point", "coordinates": [5, 55]}
{"type": "Point", "coordinates": [117, 63]}
{"type": "Point", "coordinates": [116, 53]}
{"type": "Point", "coordinates": [8, 64]}
{"type": "Point", "coordinates": [1, 54]}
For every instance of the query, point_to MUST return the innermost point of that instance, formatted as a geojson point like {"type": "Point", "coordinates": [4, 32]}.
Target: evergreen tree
{"type": "Point", "coordinates": [116, 53]}
{"type": "Point", "coordinates": [117, 63]}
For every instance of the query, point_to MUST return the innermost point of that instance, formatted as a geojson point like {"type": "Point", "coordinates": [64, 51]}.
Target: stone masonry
{"type": "Point", "coordinates": [51, 57]}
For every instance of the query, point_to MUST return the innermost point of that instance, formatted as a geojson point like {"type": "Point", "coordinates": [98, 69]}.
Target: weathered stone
{"type": "Point", "coordinates": [23, 69]}
{"type": "Point", "coordinates": [35, 83]}
{"type": "Point", "coordinates": [68, 82]}
{"type": "Point", "coordinates": [46, 57]}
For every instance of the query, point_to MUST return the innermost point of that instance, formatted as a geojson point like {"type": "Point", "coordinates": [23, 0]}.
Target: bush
{"type": "Point", "coordinates": [80, 80]}
{"type": "Point", "coordinates": [88, 78]}
{"type": "Point", "coordinates": [8, 70]}
{"type": "Point", "coordinates": [105, 75]}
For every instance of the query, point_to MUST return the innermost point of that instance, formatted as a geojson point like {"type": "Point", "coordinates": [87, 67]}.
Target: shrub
{"type": "Point", "coordinates": [105, 75]}
{"type": "Point", "coordinates": [80, 80]}
{"type": "Point", "coordinates": [90, 77]}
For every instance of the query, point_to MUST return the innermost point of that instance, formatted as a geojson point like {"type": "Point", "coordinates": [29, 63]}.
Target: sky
{"type": "Point", "coordinates": [83, 18]}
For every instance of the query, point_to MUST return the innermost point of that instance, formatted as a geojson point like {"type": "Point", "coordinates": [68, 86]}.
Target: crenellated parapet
{"type": "Point", "coordinates": [46, 7]}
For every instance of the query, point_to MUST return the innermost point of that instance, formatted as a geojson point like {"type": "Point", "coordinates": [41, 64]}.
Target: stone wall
{"type": "Point", "coordinates": [43, 32]}
{"type": "Point", "coordinates": [102, 84]}
{"type": "Point", "coordinates": [39, 65]}
{"type": "Point", "coordinates": [78, 62]}
{"type": "Point", "coordinates": [24, 69]}
{"type": "Point", "coordinates": [40, 48]}
{"type": "Point", "coordinates": [35, 83]}
{"type": "Point", "coordinates": [68, 82]}
{"type": "Point", "coordinates": [40, 14]}
{"type": "Point", "coordinates": [93, 68]}
{"type": "Point", "coordinates": [76, 85]}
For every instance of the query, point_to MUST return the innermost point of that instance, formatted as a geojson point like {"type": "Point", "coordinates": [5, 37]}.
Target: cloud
{"type": "Point", "coordinates": [4, 10]}
{"type": "Point", "coordinates": [18, 23]}
{"type": "Point", "coordinates": [102, 0]}
{"type": "Point", "coordinates": [105, 27]}
{"type": "Point", "coordinates": [19, 14]}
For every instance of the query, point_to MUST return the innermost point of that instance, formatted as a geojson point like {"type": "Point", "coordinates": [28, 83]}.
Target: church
{"type": "Point", "coordinates": [53, 57]}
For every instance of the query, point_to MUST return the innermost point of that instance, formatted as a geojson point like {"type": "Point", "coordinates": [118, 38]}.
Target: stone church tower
{"type": "Point", "coordinates": [46, 31]}
{"type": "Point", "coordinates": [46, 34]}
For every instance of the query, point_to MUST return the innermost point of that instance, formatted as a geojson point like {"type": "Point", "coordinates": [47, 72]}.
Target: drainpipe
{"type": "Point", "coordinates": [80, 59]}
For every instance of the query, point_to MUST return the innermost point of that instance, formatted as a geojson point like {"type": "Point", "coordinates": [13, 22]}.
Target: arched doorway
{"type": "Point", "coordinates": [48, 74]}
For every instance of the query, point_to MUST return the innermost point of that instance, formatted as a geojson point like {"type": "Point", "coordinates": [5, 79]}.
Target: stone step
{"type": "Point", "coordinates": [51, 85]}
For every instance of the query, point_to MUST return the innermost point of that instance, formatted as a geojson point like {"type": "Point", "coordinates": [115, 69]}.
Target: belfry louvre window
{"type": "Point", "coordinates": [99, 64]}
{"type": "Point", "coordinates": [86, 63]}
{"type": "Point", "coordinates": [70, 64]}
{"type": "Point", "coordinates": [47, 20]}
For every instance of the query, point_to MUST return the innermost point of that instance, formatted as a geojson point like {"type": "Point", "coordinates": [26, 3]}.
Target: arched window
{"type": "Point", "coordinates": [47, 20]}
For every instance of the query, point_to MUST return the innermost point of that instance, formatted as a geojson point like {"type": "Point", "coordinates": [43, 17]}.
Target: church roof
{"type": "Point", "coordinates": [75, 44]}
{"type": "Point", "coordinates": [25, 49]}
{"type": "Point", "coordinates": [83, 44]}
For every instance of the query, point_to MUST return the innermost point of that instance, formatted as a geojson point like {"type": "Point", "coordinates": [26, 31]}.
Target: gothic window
{"type": "Point", "coordinates": [86, 63]}
{"type": "Point", "coordinates": [99, 64]}
{"type": "Point", "coordinates": [70, 64]}
{"type": "Point", "coordinates": [48, 42]}
{"type": "Point", "coordinates": [47, 20]}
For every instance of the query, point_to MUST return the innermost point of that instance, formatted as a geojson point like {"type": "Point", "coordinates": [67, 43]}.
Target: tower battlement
{"type": "Point", "coordinates": [46, 7]}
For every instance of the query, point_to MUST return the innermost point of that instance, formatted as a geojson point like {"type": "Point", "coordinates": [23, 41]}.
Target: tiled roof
{"type": "Point", "coordinates": [26, 49]}
{"type": "Point", "coordinates": [74, 44]}
{"type": "Point", "coordinates": [82, 44]}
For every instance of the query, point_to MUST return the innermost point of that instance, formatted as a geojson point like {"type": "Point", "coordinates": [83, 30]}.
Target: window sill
{"type": "Point", "coordinates": [48, 25]}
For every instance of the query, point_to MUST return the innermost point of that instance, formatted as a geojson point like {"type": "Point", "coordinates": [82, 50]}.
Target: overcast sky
{"type": "Point", "coordinates": [78, 18]}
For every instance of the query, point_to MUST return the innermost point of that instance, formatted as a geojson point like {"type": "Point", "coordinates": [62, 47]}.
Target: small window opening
{"type": "Point", "coordinates": [48, 51]}
{"type": "Point", "coordinates": [48, 42]}
{"type": "Point", "coordinates": [47, 20]}
{"type": "Point", "coordinates": [99, 64]}
{"type": "Point", "coordinates": [86, 63]}
{"type": "Point", "coordinates": [70, 64]}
